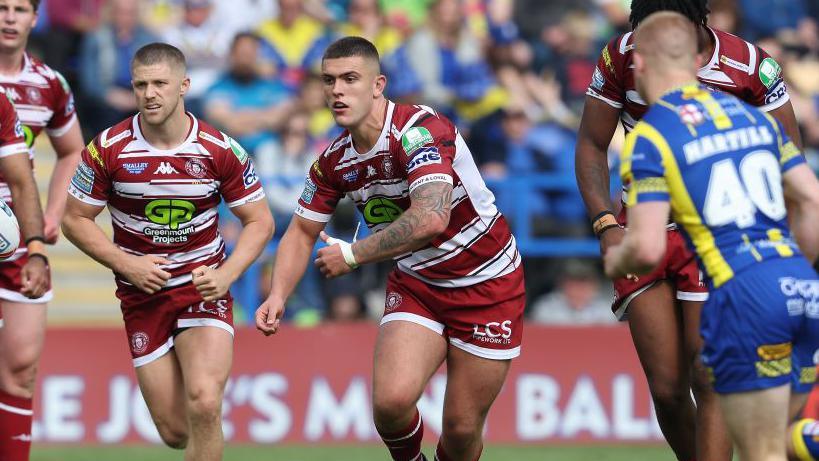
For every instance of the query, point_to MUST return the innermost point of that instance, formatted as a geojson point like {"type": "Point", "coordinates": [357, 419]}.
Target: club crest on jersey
{"type": "Point", "coordinates": [350, 176]}
{"type": "Point", "coordinates": [416, 137]}
{"type": "Point", "coordinates": [34, 95]}
{"type": "Point", "coordinates": [195, 168]}
{"type": "Point", "coordinates": [393, 301]}
{"type": "Point", "coordinates": [386, 165]}
{"type": "Point", "coordinates": [309, 191]}
{"type": "Point", "coordinates": [165, 168]}
{"type": "Point", "coordinates": [769, 72]}
{"type": "Point", "coordinates": [249, 175]}
{"type": "Point", "coordinates": [690, 114]}
{"type": "Point", "coordinates": [135, 167]}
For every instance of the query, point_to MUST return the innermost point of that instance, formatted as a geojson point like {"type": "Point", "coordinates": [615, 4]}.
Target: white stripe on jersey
{"type": "Point", "coordinates": [254, 197]}
{"type": "Point", "coordinates": [76, 193]}
{"type": "Point", "coordinates": [503, 263]}
{"type": "Point", "coordinates": [467, 236]}
{"type": "Point", "coordinates": [60, 131]}
{"type": "Point", "coordinates": [312, 215]}
{"type": "Point", "coordinates": [167, 188]}
{"type": "Point", "coordinates": [34, 115]}
{"type": "Point", "coordinates": [752, 59]}
{"type": "Point", "coordinates": [389, 188]}
{"type": "Point", "coordinates": [137, 224]}
{"type": "Point", "coordinates": [13, 149]}
{"type": "Point", "coordinates": [608, 101]}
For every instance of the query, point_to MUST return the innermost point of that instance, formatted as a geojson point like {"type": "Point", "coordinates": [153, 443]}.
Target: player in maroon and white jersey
{"type": "Point", "coordinates": [456, 293]}
{"type": "Point", "coordinates": [663, 308]}
{"type": "Point", "coordinates": [162, 174]}
{"type": "Point", "coordinates": [44, 102]}
{"type": "Point", "coordinates": [15, 398]}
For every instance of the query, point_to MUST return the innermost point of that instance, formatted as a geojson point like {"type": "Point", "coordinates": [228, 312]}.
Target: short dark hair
{"type": "Point", "coordinates": [35, 4]}
{"type": "Point", "coordinates": [352, 46]}
{"type": "Point", "coordinates": [695, 10]}
{"type": "Point", "coordinates": [154, 53]}
{"type": "Point", "coordinates": [243, 35]}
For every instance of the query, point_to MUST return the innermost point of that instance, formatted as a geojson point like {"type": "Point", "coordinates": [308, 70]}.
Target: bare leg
{"type": "Point", "coordinates": [161, 384]}
{"type": "Point", "coordinates": [756, 421]}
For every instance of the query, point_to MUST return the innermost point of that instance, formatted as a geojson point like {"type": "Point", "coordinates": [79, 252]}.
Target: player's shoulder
{"type": "Point", "coordinates": [619, 49]}
{"type": "Point", "coordinates": [115, 137]}
{"type": "Point", "coordinates": [744, 61]}
{"type": "Point", "coordinates": [416, 125]}
{"type": "Point", "coordinates": [37, 68]}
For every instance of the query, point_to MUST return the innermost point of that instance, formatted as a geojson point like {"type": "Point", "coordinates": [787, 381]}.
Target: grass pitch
{"type": "Point", "coordinates": [351, 453]}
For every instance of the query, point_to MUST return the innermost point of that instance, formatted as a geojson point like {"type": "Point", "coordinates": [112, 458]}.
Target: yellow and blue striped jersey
{"type": "Point", "coordinates": [719, 162]}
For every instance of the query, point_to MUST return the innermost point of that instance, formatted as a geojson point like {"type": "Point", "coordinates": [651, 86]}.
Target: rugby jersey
{"type": "Point", "coordinates": [417, 146]}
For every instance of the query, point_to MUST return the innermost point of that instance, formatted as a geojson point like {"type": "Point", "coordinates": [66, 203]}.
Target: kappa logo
{"type": "Point", "coordinates": [22, 437]}
{"type": "Point", "coordinates": [165, 168]}
{"type": "Point", "coordinates": [371, 171]}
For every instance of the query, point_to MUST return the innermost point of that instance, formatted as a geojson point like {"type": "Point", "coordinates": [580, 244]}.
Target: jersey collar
{"type": "Point", "coordinates": [191, 135]}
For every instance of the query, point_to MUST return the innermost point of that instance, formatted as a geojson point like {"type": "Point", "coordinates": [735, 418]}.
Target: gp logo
{"type": "Point", "coordinates": [381, 210]}
{"type": "Point", "coordinates": [169, 212]}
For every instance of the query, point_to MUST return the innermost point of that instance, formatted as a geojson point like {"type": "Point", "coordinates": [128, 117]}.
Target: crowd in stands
{"type": "Point", "coordinates": [512, 74]}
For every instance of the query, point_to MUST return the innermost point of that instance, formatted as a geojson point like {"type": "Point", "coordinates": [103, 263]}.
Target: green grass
{"type": "Point", "coordinates": [352, 453]}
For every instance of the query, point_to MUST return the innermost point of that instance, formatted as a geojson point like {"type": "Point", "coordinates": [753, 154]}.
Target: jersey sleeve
{"type": "Point", "coordinates": [642, 171]}
{"type": "Point", "coordinates": [788, 154]}
{"type": "Point", "coordinates": [91, 182]}
{"type": "Point", "coordinates": [12, 139]}
{"type": "Point", "coordinates": [428, 151]}
{"type": "Point", "coordinates": [605, 84]}
{"type": "Point", "coordinates": [239, 183]}
{"type": "Point", "coordinates": [769, 90]}
{"type": "Point", "coordinates": [64, 112]}
{"type": "Point", "coordinates": [319, 198]}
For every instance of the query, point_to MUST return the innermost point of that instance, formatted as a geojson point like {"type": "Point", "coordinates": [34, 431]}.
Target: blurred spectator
{"type": "Point", "coordinates": [294, 42]}
{"type": "Point", "coordinates": [771, 17]}
{"type": "Point", "coordinates": [578, 298]}
{"type": "Point", "coordinates": [321, 126]}
{"type": "Point", "coordinates": [205, 40]}
{"type": "Point", "coordinates": [523, 148]}
{"type": "Point", "coordinates": [725, 16]}
{"type": "Point", "coordinates": [449, 60]}
{"type": "Point", "coordinates": [243, 104]}
{"type": "Point", "coordinates": [532, 16]}
{"type": "Point", "coordinates": [69, 21]}
{"type": "Point", "coordinates": [616, 13]}
{"type": "Point", "coordinates": [366, 20]}
{"type": "Point", "coordinates": [405, 15]}
{"type": "Point", "coordinates": [105, 66]}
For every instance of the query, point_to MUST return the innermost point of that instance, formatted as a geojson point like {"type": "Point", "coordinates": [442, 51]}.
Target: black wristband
{"type": "Point", "coordinates": [601, 214]}
{"type": "Point", "coordinates": [39, 255]}
{"type": "Point", "coordinates": [605, 228]}
{"type": "Point", "coordinates": [35, 238]}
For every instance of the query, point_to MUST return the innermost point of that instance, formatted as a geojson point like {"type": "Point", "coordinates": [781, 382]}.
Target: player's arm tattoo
{"type": "Point", "coordinates": [426, 217]}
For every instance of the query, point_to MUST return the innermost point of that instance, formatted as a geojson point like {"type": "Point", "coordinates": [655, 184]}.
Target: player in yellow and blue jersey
{"type": "Point", "coordinates": [724, 170]}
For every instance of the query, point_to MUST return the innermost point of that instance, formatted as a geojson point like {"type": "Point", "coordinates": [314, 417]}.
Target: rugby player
{"type": "Point", "coordinates": [456, 294]}
{"type": "Point", "coordinates": [15, 166]}
{"type": "Point", "coordinates": [162, 174]}
{"type": "Point", "coordinates": [724, 169]}
{"type": "Point", "coordinates": [663, 308]}
{"type": "Point", "coordinates": [44, 102]}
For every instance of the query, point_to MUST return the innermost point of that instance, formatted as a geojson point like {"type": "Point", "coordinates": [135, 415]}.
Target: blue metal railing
{"type": "Point", "coordinates": [246, 289]}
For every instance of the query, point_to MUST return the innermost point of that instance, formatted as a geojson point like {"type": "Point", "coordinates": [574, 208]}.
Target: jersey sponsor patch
{"type": "Point", "coordinates": [94, 153]}
{"type": "Point", "coordinates": [18, 129]}
{"type": "Point", "coordinates": [690, 114]}
{"type": "Point", "coordinates": [607, 59]}
{"type": "Point", "coordinates": [776, 92]}
{"type": "Point", "coordinates": [769, 72]}
{"type": "Point", "coordinates": [416, 137]}
{"type": "Point", "coordinates": [238, 150]}
{"type": "Point", "coordinates": [597, 80]}
{"type": "Point", "coordinates": [135, 167]}
{"type": "Point", "coordinates": [424, 156]}
{"type": "Point", "coordinates": [379, 210]}
{"type": "Point", "coordinates": [83, 178]}
{"type": "Point", "coordinates": [249, 176]}
{"type": "Point", "coordinates": [172, 214]}
{"type": "Point", "coordinates": [309, 191]}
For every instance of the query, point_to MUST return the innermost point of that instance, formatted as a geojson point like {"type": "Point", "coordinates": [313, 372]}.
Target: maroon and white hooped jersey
{"type": "Point", "coordinates": [43, 101]}
{"type": "Point", "coordinates": [164, 202]}
{"type": "Point", "coordinates": [417, 146]}
{"type": "Point", "coordinates": [736, 67]}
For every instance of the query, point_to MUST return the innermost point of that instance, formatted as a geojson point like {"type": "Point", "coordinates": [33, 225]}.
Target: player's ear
{"type": "Point", "coordinates": [186, 84]}
{"type": "Point", "coordinates": [379, 86]}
